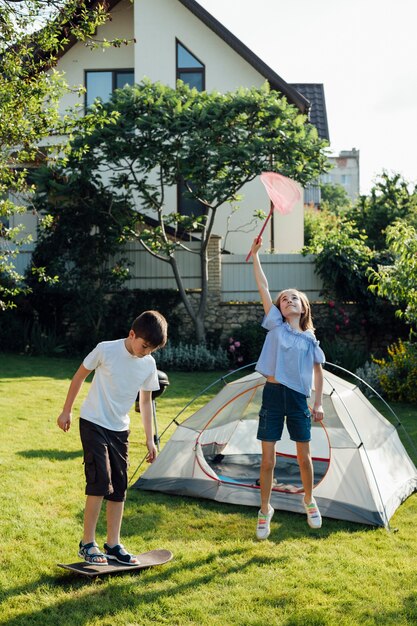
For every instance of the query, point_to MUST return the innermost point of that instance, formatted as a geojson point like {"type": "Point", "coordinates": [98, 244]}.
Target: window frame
{"type": "Point", "coordinates": [189, 70]}
{"type": "Point", "coordinates": [114, 72]}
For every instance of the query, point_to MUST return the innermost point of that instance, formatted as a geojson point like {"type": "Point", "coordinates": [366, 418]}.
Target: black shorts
{"type": "Point", "coordinates": [105, 461]}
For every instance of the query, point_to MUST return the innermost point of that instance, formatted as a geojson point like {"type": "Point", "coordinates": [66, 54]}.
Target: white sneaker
{"type": "Point", "coordinates": [313, 514]}
{"type": "Point", "coordinates": [263, 527]}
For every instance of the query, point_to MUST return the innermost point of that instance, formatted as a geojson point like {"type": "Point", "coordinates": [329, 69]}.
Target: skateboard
{"type": "Point", "coordinates": [147, 559]}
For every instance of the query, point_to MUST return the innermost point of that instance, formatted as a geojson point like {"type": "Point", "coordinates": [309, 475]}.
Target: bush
{"type": "Point", "coordinates": [127, 304]}
{"type": "Point", "coordinates": [344, 353]}
{"type": "Point", "coordinates": [39, 341]}
{"type": "Point", "coordinates": [189, 358]}
{"type": "Point", "coordinates": [398, 373]}
{"type": "Point", "coordinates": [246, 344]}
{"type": "Point", "coordinates": [370, 373]}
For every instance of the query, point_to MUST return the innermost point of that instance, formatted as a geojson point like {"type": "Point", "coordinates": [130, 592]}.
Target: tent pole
{"type": "Point", "coordinates": [399, 423]}
{"type": "Point", "coordinates": [155, 423]}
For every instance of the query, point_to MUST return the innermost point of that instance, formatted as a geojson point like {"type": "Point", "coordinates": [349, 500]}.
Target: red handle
{"type": "Point", "coordinates": [259, 236]}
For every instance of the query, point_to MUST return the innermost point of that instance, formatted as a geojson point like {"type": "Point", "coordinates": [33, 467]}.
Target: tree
{"type": "Point", "coordinates": [214, 143]}
{"type": "Point", "coordinates": [342, 260]}
{"type": "Point", "coordinates": [32, 33]}
{"type": "Point", "coordinates": [346, 263]}
{"type": "Point", "coordinates": [334, 198]}
{"type": "Point", "coordinates": [390, 199]}
{"type": "Point", "coordinates": [398, 281]}
{"type": "Point", "coordinates": [78, 247]}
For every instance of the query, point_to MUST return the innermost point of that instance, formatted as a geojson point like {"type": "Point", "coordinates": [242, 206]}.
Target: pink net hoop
{"type": "Point", "coordinates": [282, 191]}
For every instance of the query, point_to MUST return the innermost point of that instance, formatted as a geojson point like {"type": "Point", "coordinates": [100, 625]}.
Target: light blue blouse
{"type": "Point", "coordinates": [288, 354]}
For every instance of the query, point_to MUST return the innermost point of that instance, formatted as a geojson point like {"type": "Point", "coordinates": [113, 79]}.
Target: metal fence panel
{"type": "Point", "coordinates": [282, 271]}
{"type": "Point", "coordinates": [238, 282]}
{"type": "Point", "coordinates": [148, 272]}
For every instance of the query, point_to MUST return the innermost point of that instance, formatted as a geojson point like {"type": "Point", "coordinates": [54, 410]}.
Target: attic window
{"type": "Point", "coordinates": [102, 83]}
{"type": "Point", "coordinates": [189, 68]}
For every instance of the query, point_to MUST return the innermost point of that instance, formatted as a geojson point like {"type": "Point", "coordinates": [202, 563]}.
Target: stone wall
{"type": "Point", "coordinates": [223, 320]}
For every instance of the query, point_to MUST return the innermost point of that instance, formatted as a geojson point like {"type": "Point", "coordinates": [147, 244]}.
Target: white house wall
{"type": "Point", "coordinates": [159, 22]}
{"type": "Point", "coordinates": [80, 57]}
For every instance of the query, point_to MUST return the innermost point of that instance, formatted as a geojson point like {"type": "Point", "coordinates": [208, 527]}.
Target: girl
{"type": "Point", "coordinates": [289, 356]}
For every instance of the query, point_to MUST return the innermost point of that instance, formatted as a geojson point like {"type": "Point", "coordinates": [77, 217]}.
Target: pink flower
{"type": "Point", "coordinates": [232, 348]}
{"type": "Point", "coordinates": [337, 328]}
{"type": "Point", "coordinates": [231, 340]}
{"type": "Point", "coordinates": [331, 304]}
{"type": "Point", "coordinates": [237, 344]}
{"type": "Point", "coordinates": [346, 321]}
{"type": "Point", "coordinates": [239, 359]}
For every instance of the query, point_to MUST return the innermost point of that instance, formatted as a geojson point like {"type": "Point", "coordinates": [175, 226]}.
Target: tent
{"type": "Point", "coordinates": [362, 471]}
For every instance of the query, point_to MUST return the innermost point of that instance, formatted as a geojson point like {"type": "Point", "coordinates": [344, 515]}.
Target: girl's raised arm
{"type": "Point", "coordinates": [260, 277]}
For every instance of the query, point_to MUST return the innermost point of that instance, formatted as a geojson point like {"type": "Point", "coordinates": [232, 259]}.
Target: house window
{"type": "Point", "coordinates": [190, 69]}
{"type": "Point", "coordinates": [102, 83]}
{"type": "Point", "coordinates": [186, 205]}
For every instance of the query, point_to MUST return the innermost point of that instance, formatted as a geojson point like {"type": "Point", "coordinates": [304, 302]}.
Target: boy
{"type": "Point", "coordinates": [122, 367]}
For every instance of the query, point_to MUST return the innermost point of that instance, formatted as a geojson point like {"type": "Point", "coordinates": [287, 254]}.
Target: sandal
{"type": "Point", "coordinates": [118, 553]}
{"type": "Point", "coordinates": [95, 558]}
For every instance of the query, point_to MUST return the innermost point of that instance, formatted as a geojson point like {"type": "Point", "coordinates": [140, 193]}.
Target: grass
{"type": "Point", "coordinates": [344, 574]}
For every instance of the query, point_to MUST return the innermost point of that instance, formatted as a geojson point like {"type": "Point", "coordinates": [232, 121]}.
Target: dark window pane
{"type": "Point", "coordinates": [98, 85]}
{"type": "Point", "coordinates": [124, 78]}
{"type": "Point", "coordinates": [186, 59]}
{"type": "Point", "coordinates": [193, 79]}
{"type": "Point", "coordinates": [186, 205]}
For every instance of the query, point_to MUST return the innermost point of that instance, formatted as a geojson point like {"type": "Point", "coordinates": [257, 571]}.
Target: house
{"type": "Point", "coordinates": [180, 39]}
{"type": "Point", "coordinates": [345, 172]}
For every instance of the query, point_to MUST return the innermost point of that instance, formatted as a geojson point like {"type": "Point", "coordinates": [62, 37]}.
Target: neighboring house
{"type": "Point", "coordinates": [345, 166]}
{"type": "Point", "coordinates": [345, 172]}
{"type": "Point", "coordinates": [180, 39]}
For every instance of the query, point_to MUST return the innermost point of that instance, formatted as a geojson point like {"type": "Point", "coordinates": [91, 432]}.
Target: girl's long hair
{"type": "Point", "coordinates": [306, 321]}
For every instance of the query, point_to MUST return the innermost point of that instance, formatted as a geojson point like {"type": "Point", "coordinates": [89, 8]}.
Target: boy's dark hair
{"type": "Point", "coordinates": [152, 327]}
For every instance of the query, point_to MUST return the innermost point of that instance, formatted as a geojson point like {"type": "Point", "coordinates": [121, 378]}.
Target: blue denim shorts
{"type": "Point", "coordinates": [280, 402]}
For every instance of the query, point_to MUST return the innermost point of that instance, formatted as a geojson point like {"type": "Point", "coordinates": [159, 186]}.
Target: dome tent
{"type": "Point", "coordinates": [362, 470]}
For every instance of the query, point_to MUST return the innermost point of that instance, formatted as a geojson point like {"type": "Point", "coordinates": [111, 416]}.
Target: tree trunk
{"type": "Point", "coordinates": [197, 317]}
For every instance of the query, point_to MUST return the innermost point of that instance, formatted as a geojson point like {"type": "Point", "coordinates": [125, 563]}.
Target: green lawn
{"type": "Point", "coordinates": [343, 574]}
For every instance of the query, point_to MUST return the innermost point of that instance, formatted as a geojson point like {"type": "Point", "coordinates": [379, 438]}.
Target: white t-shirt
{"type": "Point", "coordinates": [117, 379]}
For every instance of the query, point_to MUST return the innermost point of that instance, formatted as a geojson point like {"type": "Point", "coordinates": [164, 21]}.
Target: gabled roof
{"type": "Point", "coordinates": [314, 92]}
{"type": "Point", "coordinates": [276, 82]}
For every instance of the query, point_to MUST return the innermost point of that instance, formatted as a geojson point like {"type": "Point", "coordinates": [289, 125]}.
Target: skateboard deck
{"type": "Point", "coordinates": [147, 559]}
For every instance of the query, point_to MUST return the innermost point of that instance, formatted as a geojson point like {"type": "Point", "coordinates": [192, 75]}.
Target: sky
{"type": "Point", "coordinates": [365, 54]}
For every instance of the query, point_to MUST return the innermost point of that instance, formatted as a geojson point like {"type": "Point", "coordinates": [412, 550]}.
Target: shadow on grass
{"type": "Point", "coordinates": [319, 617]}
{"type": "Point", "coordinates": [51, 455]}
{"type": "Point", "coordinates": [147, 511]}
{"type": "Point", "coordinates": [167, 518]}
{"type": "Point", "coordinates": [24, 366]}
{"type": "Point", "coordinates": [100, 599]}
